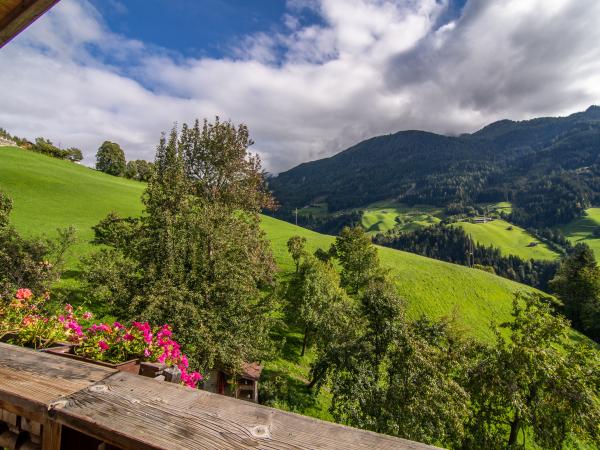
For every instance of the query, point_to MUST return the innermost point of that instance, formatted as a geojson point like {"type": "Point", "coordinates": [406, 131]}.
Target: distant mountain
{"type": "Point", "coordinates": [548, 167]}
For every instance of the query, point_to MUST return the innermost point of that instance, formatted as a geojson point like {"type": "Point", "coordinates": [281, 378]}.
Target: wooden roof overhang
{"type": "Point", "coordinates": [16, 15]}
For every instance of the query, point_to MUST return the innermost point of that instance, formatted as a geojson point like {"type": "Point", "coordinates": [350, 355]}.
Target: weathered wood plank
{"type": "Point", "coordinates": [31, 380]}
{"type": "Point", "coordinates": [135, 412]}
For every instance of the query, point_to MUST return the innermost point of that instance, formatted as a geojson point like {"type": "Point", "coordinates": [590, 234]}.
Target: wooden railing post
{"type": "Point", "coordinates": [51, 437]}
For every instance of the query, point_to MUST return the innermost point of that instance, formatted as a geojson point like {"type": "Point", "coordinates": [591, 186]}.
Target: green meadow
{"type": "Point", "coordinates": [49, 193]}
{"type": "Point", "coordinates": [510, 239]}
{"type": "Point", "coordinates": [383, 216]}
{"type": "Point", "coordinates": [582, 230]}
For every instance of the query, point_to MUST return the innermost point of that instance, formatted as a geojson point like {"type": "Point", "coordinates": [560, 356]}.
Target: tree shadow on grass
{"type": "Point", "coordinates": [283, 391]}
{"type": "Point", "coordinates": [290, 344]}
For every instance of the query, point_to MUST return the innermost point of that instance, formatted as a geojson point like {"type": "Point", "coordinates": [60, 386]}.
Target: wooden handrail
{"type": "Point", "coordinates": [133, 412]}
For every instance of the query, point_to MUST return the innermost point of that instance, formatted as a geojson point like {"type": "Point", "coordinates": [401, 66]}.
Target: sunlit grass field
{"type": "Point", "coordinates": [383, 216]}
{"type": "Point", "coordinates": [582, 229]}
{"type": "Point", "coordinates": [510, 239]}
{"type": "Point", "coordinates": [49, 193]}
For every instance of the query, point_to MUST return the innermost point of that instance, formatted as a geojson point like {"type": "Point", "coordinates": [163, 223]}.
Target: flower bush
{"type": "Point", "coordinates": [29, 321]}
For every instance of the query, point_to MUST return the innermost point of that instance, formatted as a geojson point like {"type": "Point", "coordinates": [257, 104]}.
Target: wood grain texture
{"type": "Point", "coordinates": [135, 412]}
{"type": "Point", "coordinates": [31, 380]}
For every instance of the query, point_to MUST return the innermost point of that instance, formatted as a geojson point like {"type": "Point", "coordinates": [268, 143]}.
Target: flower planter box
{"type": "Point", "coordinates": [56, 345]}
{"type": "Point", "coordinates": [131, 366]}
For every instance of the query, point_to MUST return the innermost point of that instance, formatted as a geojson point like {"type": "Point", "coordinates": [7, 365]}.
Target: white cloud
{"type": "Point", "coordinates": [370, 67]}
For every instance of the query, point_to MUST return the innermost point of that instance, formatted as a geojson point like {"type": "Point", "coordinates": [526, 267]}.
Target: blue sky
{"type": "Point", "coordinates": [308, 77]}
{"type": "Point", "coordinates": [212, 28]}
{"type": "Point", "coordinates": [193, 28]}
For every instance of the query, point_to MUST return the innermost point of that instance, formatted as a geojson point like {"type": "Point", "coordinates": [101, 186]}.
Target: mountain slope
{"type": "Point", "coordinates": [549, 167]}
{"type": "Point", "coordinates": [49, 193]}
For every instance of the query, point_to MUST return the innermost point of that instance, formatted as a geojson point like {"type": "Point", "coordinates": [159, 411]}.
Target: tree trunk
{"type": "Point", "coordinates": [514, 430]}
{"type": "Point", "coordinates": [304, 341]}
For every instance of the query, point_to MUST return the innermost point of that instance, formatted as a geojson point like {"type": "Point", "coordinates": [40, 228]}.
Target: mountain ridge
{"type": "Point", "coordinates": [505, 160]}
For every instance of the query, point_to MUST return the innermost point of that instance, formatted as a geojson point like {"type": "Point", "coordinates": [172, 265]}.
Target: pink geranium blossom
{"type": "Point", "coordinates": [103, 345]}
{"type": "Point", "coordinates": [24, 294]}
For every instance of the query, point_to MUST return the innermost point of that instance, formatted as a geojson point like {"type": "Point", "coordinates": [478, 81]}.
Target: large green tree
{"type": "Point", "coordinates": [197, 259]}
{"type": "Point", "coordinates": [536, 382]}
{"type": "Point", "coordinates": [110, 159]}
{"type": "Point", "coordinates": [357, 256]}
{"type": "Point", "coordinates": [577, 284]}
{"type": "Point", "coordinates": [315, 300]}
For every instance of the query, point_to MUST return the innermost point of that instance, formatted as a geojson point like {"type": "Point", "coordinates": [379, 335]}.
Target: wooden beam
{"type": "Point", "coordinates": [134, 412]}
{"type": "Point", "coordinates": [23, 14]}
{"type": "Point", "coordinates": [31, 381]}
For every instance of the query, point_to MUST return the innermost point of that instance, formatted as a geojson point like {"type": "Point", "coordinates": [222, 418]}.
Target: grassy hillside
{"type": "Point", "coordinates": [50, 193]}
{"type": "Point", "coordinates": [582, 229]}
{"type": "Point", "coordinates": [509, 238]}
{"type": "Point", "coordinates": [431, 287]}
{"type": "Point", "coordinates": [383, 216]}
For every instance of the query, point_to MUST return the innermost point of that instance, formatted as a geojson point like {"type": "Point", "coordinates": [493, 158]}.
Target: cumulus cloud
{"type": "Point", "coordinates": [367, 67]}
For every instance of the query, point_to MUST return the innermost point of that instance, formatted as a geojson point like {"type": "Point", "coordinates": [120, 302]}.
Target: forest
{"type": "Point", "coordinates": [549, 168]}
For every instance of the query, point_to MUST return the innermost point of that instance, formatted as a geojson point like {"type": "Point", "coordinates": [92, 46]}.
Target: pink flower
{"type": "Point", "coordinates": [72, 325]}
{"type": "Point", "coordinates": [183, 363]}
{"type": "Point", "coordinates": [191, 379]}
{"type": "Point", "coordinates": [147, 353]}
{"type": "Point", "coordinates": [68, 308]}
{"type": "Point", "coordinates": [23, 294]}
{"type": "Point", "coordinates": [87, 315]}
{"type": "Point", "coordinates": [103, 345]}
{"type": "Point", "coordinates": [28, 320]}
{"type": "Point", "coordinates": [118, 326]}
{"type": "Point", "coordinates": [128, 337]}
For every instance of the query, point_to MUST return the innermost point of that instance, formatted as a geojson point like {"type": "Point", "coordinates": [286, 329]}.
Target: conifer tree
{"type": "Point", "coordinates": [197, 259]}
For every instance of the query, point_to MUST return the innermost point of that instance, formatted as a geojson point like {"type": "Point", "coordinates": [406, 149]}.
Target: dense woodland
{"type": "Point", "coordinates": [549, 168]}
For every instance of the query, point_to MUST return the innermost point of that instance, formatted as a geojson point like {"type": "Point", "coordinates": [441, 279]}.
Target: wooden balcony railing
{"type": "Point", "coordinates": [55, 403]}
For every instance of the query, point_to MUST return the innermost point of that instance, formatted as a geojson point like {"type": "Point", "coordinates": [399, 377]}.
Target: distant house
{"type": "Point", "coordinates": [7, 142]}
{"type": "Point", "coordinates": [482, 219]}
{"type": "Point", "coordinates": [243, 386]}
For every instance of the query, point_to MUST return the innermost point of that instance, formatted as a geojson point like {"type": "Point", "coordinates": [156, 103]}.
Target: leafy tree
{"type": "Point", "coordinates": [131, 170]}
{"type": "Point", "coordinates": [315, 300]}
{"type": "Point", "coordinates": [357, 256]}
{"type": "Point", "coordinates": [74, 154]}
{"type": "Point", "coordinates": [110, 159]}
{"type": "Point", "coordinates": [295, 246]}
{"type": "Point", "coordinates": [577, 284]}
{"type": "Point", "coordinates": [197, 259]}
{"type": "Point", "coordinates": [144, 170]}
{"type": "Point", "coordinates": [398, 377]}
{"type": "Point", "coordinates": [536, 380]}
{"type": "Point", "coordinates": [5, 209]}
{"type": "Point", "coordinates": [31, 263]}
{"type": "Point", "coordinates": [46, 147]}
